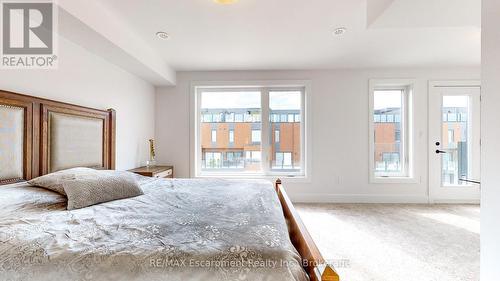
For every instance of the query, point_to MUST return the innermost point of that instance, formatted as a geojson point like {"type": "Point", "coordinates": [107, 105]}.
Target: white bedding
{"type": "Point", "coordinates": [177, 230]}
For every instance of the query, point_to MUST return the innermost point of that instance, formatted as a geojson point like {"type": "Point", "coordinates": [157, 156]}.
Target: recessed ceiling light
{"type": "Point", "coordinates": [225, 2]}
{"type": "Point", "coordinates": [339, 31]}
{"type": "Point", "coordinates": [162, 35]}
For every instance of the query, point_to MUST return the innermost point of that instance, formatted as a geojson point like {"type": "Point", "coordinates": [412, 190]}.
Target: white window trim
{"type": "Point", "coordinates": [195, 151]}
{"type": "Point", "coordinates": [407, 133]}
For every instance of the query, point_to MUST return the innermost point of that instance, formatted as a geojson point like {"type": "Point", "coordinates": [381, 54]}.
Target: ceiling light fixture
{"type": "Point", "coordinates": [162, 35]}
{"type": "Point", "coordinates": [225, 2]}
{"type": "Point", "coordinates": [339, 31]}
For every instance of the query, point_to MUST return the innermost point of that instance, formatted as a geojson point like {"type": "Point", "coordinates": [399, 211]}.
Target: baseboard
{"type": "Point", "coordinates": [357, 198]}
{"type": "Point", "coordinates": [455, 201]}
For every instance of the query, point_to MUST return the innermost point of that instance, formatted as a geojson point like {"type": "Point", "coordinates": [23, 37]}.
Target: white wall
{"type": "Point", "coordinates": [490, 174]}
{"type": "Point", "coordinates": [85, 79]}
{"type": "Point", "coordinates": [339, 125]}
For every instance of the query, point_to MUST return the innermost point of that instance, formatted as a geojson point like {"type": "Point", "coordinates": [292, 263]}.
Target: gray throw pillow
{"type": "Point", "coordinates": [54, 181]}
{"type": "Point", "coordinates": [102, 188]}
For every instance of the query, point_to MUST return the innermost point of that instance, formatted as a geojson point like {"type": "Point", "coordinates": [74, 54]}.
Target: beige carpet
{"type": "Point", "coordinates": [397, 242]}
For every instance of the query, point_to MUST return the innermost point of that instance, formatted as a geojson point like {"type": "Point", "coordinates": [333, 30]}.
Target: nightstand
{"type": "Point", "coordinates": [155, 172]}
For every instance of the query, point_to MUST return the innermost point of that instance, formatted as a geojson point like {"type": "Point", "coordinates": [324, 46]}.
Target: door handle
{"type": "Point", "coordinates": [440, 151]}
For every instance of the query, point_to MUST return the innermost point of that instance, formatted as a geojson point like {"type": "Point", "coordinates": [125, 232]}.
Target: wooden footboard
{"type": "Point", "coordinates": [313, 262]}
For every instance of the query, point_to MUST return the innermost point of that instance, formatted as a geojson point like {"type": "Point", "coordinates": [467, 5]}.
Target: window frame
{"type": "Point", "coordinates": [304, 86]}
{"type": "Point", "coordinates": [407, 142]}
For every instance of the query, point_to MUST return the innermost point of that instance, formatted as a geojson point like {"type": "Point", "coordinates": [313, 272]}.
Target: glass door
{"type": "Point", "coordinates": [454, 132]}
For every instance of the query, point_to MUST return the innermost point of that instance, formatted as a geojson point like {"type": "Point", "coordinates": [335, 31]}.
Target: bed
{"type": "Point", "coordinates": [180, 229]}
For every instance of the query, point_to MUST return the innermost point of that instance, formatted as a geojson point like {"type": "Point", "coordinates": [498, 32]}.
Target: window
{"type": "Point", "coordinates": [214, 135]}
{"type": "Point", "coordinates": [386, 101]}
{"type": "Point", "coordinates": [207, 118]}
{"type": "Point", "coordinates": [213, 160]}
{"type": "Point", "coordinates": [390, 141]}
{"type": "Point", "coordinates": [256, 136]}
{"type": "Point", "coordinates": [397, 135]}
{"type": "Point", "coordinates": [452, 117]}
{"type": "Point", "coordinates": [234, 160]}
{"type": "Point", "coordinates": [275, 118]}
{"type": "Point", "coordinates": [283, 160]}
{"type": "Point", "coordinates": [287, 133]}
{"type": "Point", "coordinates": [451, 137]}
{"type": "Point", "coordinates": [248, 117]}
{"type": "Point", "coordinates": [390, 162]}
{"type": "Point", "coordinates": [253, 156]}
{"type": "Point", "coordinates": [264, 127]}
{"type": "Point", "coordinates": [217, 117]}
{"type": "Point", "coordinates": [238, 117]}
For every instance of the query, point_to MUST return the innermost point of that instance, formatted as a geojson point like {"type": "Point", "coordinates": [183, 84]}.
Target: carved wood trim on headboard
{"type": "Point", "coordinates": [35, 128]}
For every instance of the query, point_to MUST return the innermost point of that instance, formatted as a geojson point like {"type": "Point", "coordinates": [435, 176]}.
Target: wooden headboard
{"type": "Point", "coordinates": [39, 136]}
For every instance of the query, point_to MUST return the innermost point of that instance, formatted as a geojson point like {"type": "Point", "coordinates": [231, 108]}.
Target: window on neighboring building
{"type": "Point", "coordinates": [390, 162]}
{"type": "Point", "coordinates": [234, 160]}
{"type": "Point", "coordinates": [283, 160]}
{"type": "Point", "coordinates": [217, 117]}
{"type": "Point", "coordinates": [213, 160]}
{"type": "Point", "coordinates": [253, 156]}
{"type": "Point", "coordinates": [214, 135]}
{"type": "Point", "coordinates": [207, 118]}
{"type": "Point", "coordinates": [238, 117]}
{"type": "Point", "coordinates": [451, 137]}
{"type": "Point", "coordinates": [389, 136]}
{"type": "Point", "coordinates": [256, 136]}
{"type": "Point", "coordinates": [250, 147]}
{"type": "Point", "coordinates": [452, 117]}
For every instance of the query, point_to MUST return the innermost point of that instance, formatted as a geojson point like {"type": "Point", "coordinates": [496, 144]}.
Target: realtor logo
{"type": "Point", "coordinates": [28, 37]}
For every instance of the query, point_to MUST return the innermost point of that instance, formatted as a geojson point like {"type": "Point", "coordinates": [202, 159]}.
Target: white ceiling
{"type": "Point", "coordinates": [297, 34]}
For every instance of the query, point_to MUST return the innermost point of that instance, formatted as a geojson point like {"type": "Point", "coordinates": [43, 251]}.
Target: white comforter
{"type": "Point", "coordinates": [177, 230]}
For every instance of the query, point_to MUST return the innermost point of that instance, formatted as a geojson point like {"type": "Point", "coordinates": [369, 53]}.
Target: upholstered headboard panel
{"type": "Point", "coordinates": [16, 118]}
{"type": "Point", "coordinates": [75, 141]}
{"type": "Point", "coordinates": [39, 136]}
{"type": "Point", "coordinates": [11, 142]}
